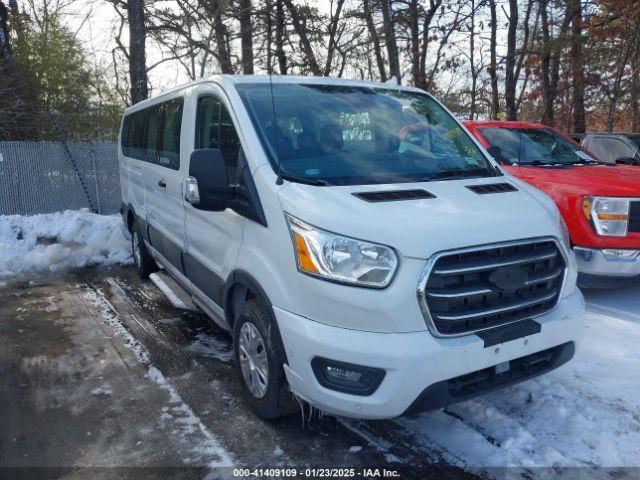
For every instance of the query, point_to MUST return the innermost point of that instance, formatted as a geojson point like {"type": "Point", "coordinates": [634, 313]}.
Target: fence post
{"type": "Point", "coordinates": [95, 175]}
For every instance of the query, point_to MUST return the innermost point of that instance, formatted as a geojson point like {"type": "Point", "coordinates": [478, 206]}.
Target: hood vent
{"type": "Point", "coordinates": [394, 195]}
{"type": "Point", "coordinates": [492, 188]}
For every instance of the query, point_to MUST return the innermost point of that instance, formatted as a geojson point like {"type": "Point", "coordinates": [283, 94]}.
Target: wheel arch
{"type": "Point", "coordinates": [240, 287]}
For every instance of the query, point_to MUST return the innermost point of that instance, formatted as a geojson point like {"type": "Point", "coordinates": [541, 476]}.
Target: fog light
{"type": "Point", "coordinates": [346, 377]}
{"type": "Point", "coordinates": [343, 373]}
{"type": "Point", "coordinates": [618, 254]}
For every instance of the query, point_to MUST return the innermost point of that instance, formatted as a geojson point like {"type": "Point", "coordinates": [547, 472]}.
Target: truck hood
{"type": "Point", "coordinates": [613, 181]}
{"type": "Point", "coordinates": [457, 217]}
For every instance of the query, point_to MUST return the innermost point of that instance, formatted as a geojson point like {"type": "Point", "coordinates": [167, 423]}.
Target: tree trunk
{"type": "Point", "coordinates": [5, 45]}
{"type": "Point", "coordinates": [333, 29]}
{"type": "Point", "coordinates": [616, 89]}
{"type": "Point", "coordinates": [472, 64]}
{"type": "Point", "coordinates": [434, 5]}
{"type": "Point", "coordinates": [390, 38]}
{"type": "Point", "coordinates": [375, 40]}
{"type": "Point", "coordinates": [493, 67]}
{"type": "Point", "coordinates": [577, 69]}
{"type": "Point", "coordinates": [280, 29]}
{"type": "Point", "coordinates": [269, 36]}
{"type": "Point", "coordinates": [635, 90]}
{"type": "Point", "coordinates": [310, 57]}
{"type": "Point", "coordinates": [414, 32]}
{"type": "Point", "coordinates": [246, 36]}
{"type": "Point", "coordinates": [510, 74]}
{"type": "Point", "coordinates": [545, 65]}
{"type": "Point", "coordinates": [137, 51]}
{"type": "Point", "coordinates": [220, 32]}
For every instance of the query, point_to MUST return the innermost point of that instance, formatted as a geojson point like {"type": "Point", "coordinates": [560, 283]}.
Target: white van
{"type": "Point", "coordinates": [365, 252]}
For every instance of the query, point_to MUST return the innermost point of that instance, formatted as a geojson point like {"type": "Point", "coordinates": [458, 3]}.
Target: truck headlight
{"type": "Point", "coordinates": [341, 259]}
{"type": "Point", "coordinates": [608, 215]}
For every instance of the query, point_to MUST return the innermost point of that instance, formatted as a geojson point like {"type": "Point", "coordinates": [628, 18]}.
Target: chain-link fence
{"type": "Point", "coordinates": [44, 177]}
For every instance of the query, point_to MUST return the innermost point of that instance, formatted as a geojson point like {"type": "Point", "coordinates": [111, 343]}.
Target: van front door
{"type": "Point", "coordinates": [213, 238]}
{"type": "Point", "coordinates": [163, 181]}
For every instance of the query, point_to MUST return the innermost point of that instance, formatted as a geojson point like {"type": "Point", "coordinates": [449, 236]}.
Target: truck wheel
{"type": "Point", "coordinates": [259, 356]}
{"type": "Point", "coordinates": [144, 263]}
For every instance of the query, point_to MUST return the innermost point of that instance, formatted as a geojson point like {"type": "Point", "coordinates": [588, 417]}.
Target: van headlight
{"type": "Point", "coordinates": [608, 215]}
{"type": "Point", "coordinates": [341, 259]}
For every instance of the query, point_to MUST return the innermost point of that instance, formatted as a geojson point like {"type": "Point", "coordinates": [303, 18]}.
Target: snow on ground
{"type": "Point", "coordinates": [55, 241]}
{"type": "Point", "coordinates": [586, 413]}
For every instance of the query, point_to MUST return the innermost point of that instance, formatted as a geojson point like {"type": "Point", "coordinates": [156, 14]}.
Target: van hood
{"type": "Point", "coordinates": [603, 180]}
{"type": "Point", "coordinates": [457, 217]}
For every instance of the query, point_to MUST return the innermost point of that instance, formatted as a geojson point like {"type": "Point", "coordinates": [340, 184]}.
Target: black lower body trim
{"type": "Point", "coordinates": [207, 281]}
{"type": "Point", "coordinates": [470, 385]}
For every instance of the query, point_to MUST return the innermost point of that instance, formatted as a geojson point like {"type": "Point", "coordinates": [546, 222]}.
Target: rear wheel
{"type": "Point", "coordinates": [143, 261]}
{"type": "Point", "coordinates": [259, 359]}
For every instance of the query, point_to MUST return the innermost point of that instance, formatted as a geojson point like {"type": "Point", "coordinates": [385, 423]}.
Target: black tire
{"type": "Point", "coordinates": [278, 401]}
{"type": "Point", "coordinates": [144, 263]}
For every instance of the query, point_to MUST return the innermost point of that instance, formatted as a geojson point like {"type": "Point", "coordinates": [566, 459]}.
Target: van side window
{"type": "Point", "coordinates": [214, 129]}
{"type": "Point", "coordinates": [169, 141]}
{"type": "Point", "coordinates": [153, 134]}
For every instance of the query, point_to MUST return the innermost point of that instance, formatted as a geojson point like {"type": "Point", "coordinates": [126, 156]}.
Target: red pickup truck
{"type": "Point", "coordinates": [600, 203]}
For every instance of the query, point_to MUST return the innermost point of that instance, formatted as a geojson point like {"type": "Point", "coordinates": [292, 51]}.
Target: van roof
{"type": "Point", "coordinates": [230, 80]}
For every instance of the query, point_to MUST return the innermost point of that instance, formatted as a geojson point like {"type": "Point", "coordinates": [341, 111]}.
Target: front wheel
{"type": "Point", "coordinates": [143, 261]}
{"type": "Point", "coordinates": [259, 358]}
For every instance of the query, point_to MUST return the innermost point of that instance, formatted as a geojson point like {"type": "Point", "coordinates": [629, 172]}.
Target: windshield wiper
{"type": "Point", "coordinates": [537, 163]}
{"type": "Point", "coordinates": [306, 181]}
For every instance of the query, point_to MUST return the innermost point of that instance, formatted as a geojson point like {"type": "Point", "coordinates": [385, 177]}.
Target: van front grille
{"type": "Point", "coordinates": [475, 289]}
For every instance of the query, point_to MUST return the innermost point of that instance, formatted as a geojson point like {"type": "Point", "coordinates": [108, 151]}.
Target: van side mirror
{"type": "Point", "coordinates": [627, 161]}
{"type": "Point", "coordinates": [207, 186]}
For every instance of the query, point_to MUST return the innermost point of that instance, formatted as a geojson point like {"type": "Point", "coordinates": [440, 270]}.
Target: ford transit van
{"type": "Point", "coordinates": [364, 251]}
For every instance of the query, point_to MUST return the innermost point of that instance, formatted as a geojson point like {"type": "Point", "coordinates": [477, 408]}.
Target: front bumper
{"type": "Point", "coordinates": [412, 361]}
{"type": "Point", "coordinates": [608, 262]}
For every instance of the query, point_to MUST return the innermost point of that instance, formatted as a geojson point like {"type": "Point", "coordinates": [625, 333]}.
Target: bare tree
{"type": "Point", "coordinates": [374, 39]}
{"type": "Point", "coordinates": [390, 38]}
{"type": "Point", "coordinates": [577, 68]}
{"type": "Point", "coordinates": [246, 36]}
{"type": "Point", "coordinates": [493, 67]}
{"type": "Point", "coordinates": [137, 51]}
{"type": "Point", "coordinates": [510, 81]}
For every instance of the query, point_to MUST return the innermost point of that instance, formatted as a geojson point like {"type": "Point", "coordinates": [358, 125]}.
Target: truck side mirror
{"type": "Point", "coordinates": [207, 186]}
{"type": "Point", "coordinates": [496, 153]}
{"type": "Point", "coordinates": [627, 161]}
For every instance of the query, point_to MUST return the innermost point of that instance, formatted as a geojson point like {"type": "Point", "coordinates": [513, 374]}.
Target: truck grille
{"type": "Point", "coordinates": [469, 290]}
{"type": "Point", "coordinates": [634, 216]}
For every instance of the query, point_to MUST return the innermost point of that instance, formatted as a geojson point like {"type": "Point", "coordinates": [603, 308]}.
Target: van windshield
{"type": "Point", "coordinates": [344, 135]}
{"type": "Point", "coordinates": [534, 146]}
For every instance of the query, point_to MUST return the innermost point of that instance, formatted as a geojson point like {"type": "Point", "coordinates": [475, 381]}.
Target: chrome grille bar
{"type": "Point", "coordinates": [522, 259]}
{"type": "Point", "coordinates": [469, 292]}
{"type": "Point", "coordinates": [495, 311]}
{"type": "Point", "coordinates": [459, 294]}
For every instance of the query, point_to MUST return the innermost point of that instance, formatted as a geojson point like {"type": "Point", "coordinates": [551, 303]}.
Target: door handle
{"type": "Point", "coordinates": [162, 183]}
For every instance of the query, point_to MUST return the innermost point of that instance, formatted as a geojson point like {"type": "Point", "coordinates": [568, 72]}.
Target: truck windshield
{"type": "Point", "coordinates": [534, 146]}
{"type": "Point", "coordinates": [344, 135]}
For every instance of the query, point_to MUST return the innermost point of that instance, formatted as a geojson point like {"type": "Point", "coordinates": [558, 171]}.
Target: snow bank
{"type": "Point", "coordinates": [56, 241]}
{"type": "Point", "coordinates": [584, 414]}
